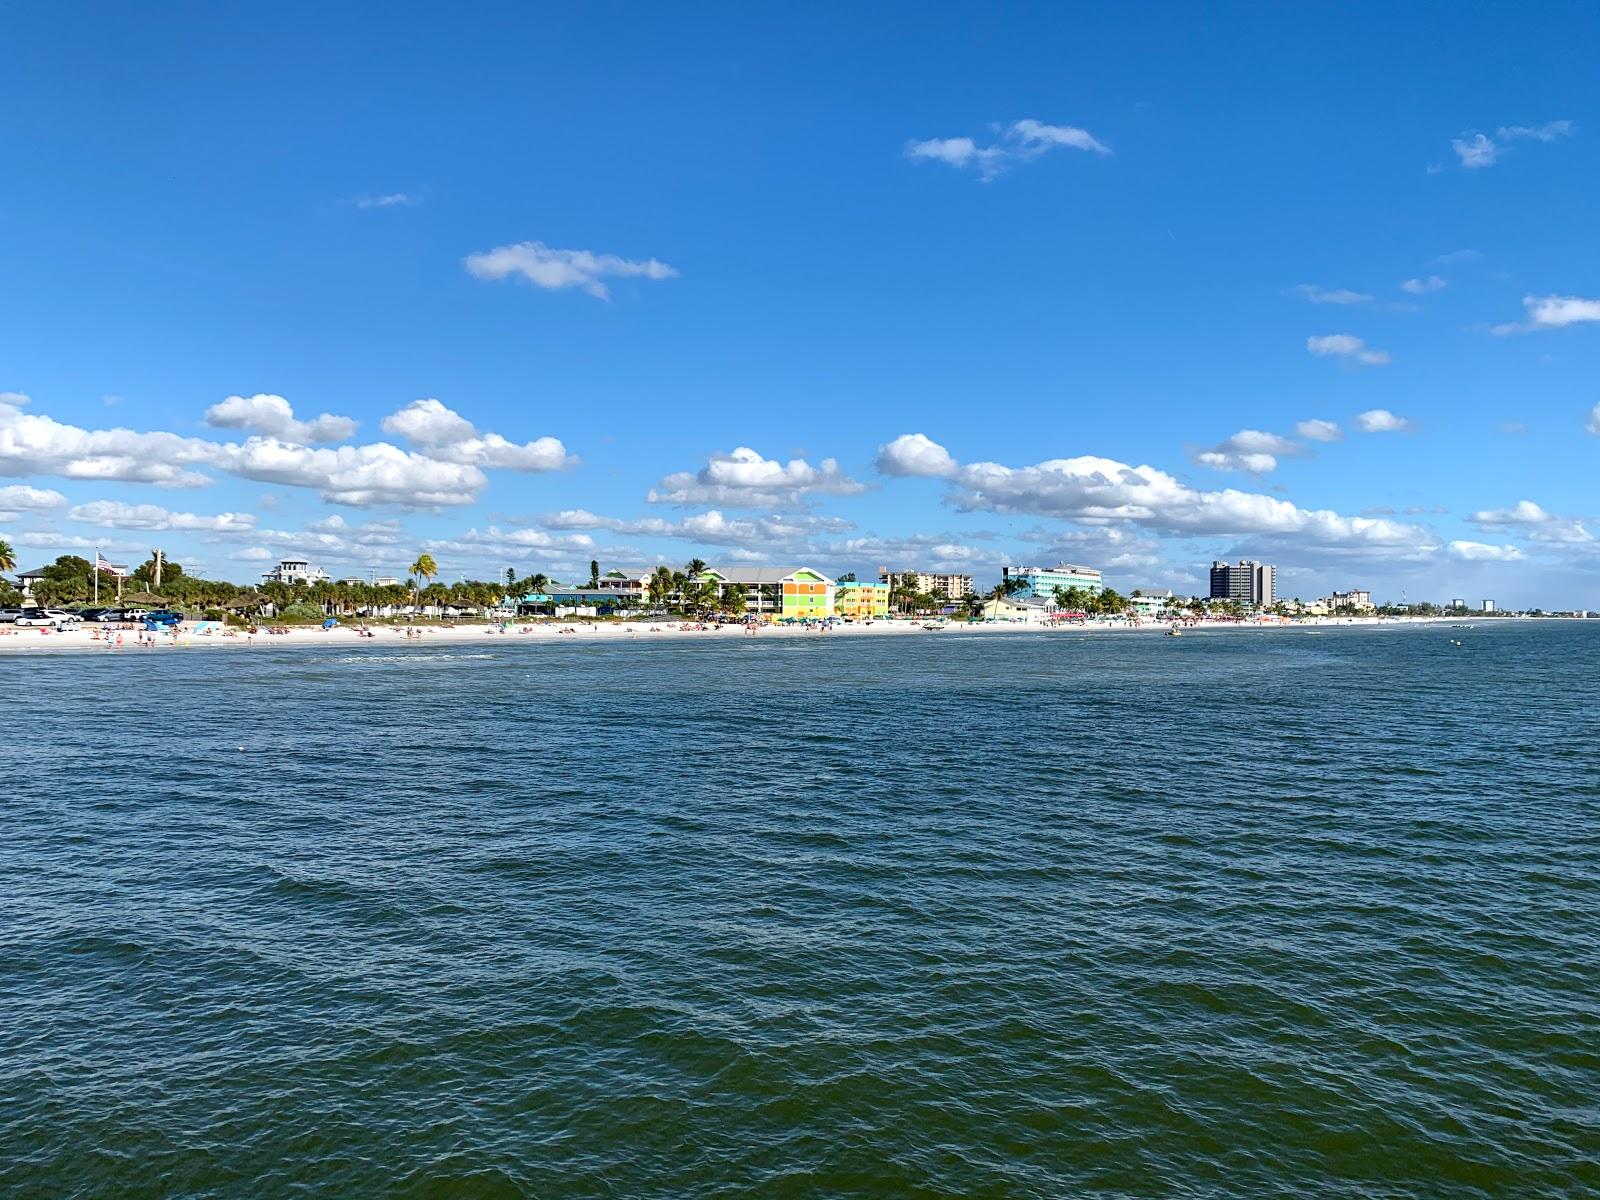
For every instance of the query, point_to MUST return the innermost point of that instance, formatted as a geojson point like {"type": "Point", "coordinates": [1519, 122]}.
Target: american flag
{"type": "Point", "coordinates": [109, 568]}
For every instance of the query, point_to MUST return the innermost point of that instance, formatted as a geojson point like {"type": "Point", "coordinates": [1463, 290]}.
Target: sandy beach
{"type": "Point", "coordinates": [213, 636]}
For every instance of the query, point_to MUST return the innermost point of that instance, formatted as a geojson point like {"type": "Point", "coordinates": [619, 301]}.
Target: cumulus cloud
{"type": "Point", "coordinates": [744, 479]}
{"type": "Point", "coordinates": [915, 454]}
{"type": "Point", "coordinates": [1593, 423]}
{"type": "Point", "coordinates": [1346, 346]}
{"type": "Point", "coordinates": [34, 444]}
{"type": "Point", "coordinates": [114, 514]}
{"type": "Point", "coordinates": [1424, 285]}
{"type": "Point", "coordinates": [273, 416]}
{"type": "Point", "coordinates": [1483, 552]}
{"type": "Point", "coordinates": [19, 499]}
{"type": "Point", "coordinates": [1322, 295]}
{"type": "Point", "coordinates": [1102, 491]}
{"type": "Point", "coordinates": [1250, 450]}
{"type": "Point", "coordinates": [555, 270]}
{"type": "Point", "coordinates": [1381, 420]}
{"type": "Point", "coordinates": [1318, 430]}
{"type": "Point", "coordinates": [449, 471]}
{"type": "Point", "coordinates": [447, 435]}
{"type": "Point", "coordinates": [1552, 312]}
{"type": "Point", "coordinates": [1017, 142]}
{"type": "Point", "coordinates": [1536, 522]}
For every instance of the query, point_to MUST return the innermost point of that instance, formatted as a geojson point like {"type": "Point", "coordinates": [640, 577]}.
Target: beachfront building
{"type": "Point", "coordinates": [861, 601]}
{"type": "Point", "coordinates": [1488, 606]}
{"type": "Point", "coordinates": [1458, 605]}
{"type": "Point", "coordinates": [1043, 581]}
{"type": "Point", "coordinates": [1353, 601]}
{"type": "Point", "coordinates": [1251, 583]}
{"type": "Point", "coordinates": [1151, 602]}
{"type": "Point", "coordinates": [929, 583]}
{"type": "Point", "coordinates": [632, 585]}
{"type": "Point", "coordinates": [776, 593]}
{"type": "Point", "coordinates": [294, 570]}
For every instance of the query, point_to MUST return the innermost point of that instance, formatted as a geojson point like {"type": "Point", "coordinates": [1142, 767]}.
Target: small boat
{"type": "Point", "coordinates": [1174, 632]}
{"type": "Point", "coordinates": [933, 624]}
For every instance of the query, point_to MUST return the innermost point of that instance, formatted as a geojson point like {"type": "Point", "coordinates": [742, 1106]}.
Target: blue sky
{"type": "Point", "coordinates": [916, 286]}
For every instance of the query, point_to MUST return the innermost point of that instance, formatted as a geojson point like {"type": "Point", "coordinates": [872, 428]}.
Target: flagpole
{"type": "Point", "coordinates": [97, 574]}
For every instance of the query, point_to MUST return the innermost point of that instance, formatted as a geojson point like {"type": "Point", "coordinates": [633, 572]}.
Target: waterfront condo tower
{"type": "Point", "coordinates": [1249, 582]}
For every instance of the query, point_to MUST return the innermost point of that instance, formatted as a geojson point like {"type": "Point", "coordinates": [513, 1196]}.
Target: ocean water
{"type": "Point", "coordinates": [1313, 913]}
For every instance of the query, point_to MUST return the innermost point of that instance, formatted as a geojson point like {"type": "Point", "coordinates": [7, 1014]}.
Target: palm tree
{"type": "Point", "coordinates": [594, 573]}
{"type": "Point", "coordinates": [8, 558]}
{"type": "Point", "coordinates": [425, 569]}
{"type": "Point", "coordinates": [696, 566]}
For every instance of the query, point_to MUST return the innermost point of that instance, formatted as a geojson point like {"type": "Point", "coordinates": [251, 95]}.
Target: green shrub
{"type": "Point", "coordinates": [302, 612]}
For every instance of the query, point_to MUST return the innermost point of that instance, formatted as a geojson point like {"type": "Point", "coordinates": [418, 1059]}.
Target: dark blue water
{"type": "Point", "coordinates": [1297, 914]}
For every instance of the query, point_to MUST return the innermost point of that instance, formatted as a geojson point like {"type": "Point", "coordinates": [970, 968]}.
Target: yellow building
{"type": "Point", "coordinates": [861, 601]}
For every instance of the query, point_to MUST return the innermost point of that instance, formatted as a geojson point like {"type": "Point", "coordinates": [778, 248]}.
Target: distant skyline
{"type": "Point", "coordinates": [913, 287]}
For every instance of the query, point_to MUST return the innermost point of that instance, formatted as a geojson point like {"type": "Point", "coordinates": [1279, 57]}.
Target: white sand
{"type": "Point", "coordinates": [89, 638]}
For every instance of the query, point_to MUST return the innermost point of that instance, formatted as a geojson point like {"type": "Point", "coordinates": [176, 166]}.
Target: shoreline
{"type": "Point", "coordinates": [21, 642]}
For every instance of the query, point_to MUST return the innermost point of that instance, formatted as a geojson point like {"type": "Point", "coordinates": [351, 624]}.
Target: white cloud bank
{"type": "Point", "coordinates": [1102, 491]}
{"type": "Point", "coordinates": [1018, 142]}
{"type": "Point", "coordinates": [744, 479]}
{"type": "Point", "coordinates": [555, 270]}
{"type": "Point", "coordinates": [1424, 285]}
{"type": "Point", "coordinates": [449, 472]}
{"type": "Point", "coordinates": [113, 514]}
{"type": "Point", "coordinates": [20, 498]}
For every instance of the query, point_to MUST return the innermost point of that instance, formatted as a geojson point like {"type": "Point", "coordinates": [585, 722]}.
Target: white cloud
{"type": "Point", "coordinates": [1318, 430]}
{"type": "Point", "coordinates": [1422, 286]}
{"type": "Point", "coordinates": [19, 499]}
{"type": "Point", "coordinates": [1547, 132]}
{"type": "Point", "coordinates": [273, 416]}
{"type": "Point", "coordinates": [1346, 346]}
{"type": "Point", "coordinates": [360, 476]}
{"type": "Point", "coordinates": [114, 514]}
{"type": "Point", "coordinates": [1476, 151]}
{"type": "Point", "coordinates": [447, 435]}
{"type": "Point", "coordinates": [1102, 491]}
{"type": "Point", "coordinates": [1593, 423]}
{"type": "Point", "coordinates": [449, 473]}
{"type": "Point", "coordinates": [1322, 295]}
{"type": "Point", "coordinates": [1540, 525]}
{"type": "Point", "coordinates": [253, 554]}
{"type": "Point", "coordinates": [1249, 450]}
{"type": "Point", "coordinates": [555, 270]}
{"type": "Point", "coordinates": [1018, 142]}
{"type": "Point", "coordinates": [1381, 420]}
{"type": "Point", "coordinates": [390, 200]}
{"type": "Point", "coordinates": [915, 454]}
{"type": "Point", "coordinates": [34, 444]}
{"type": "Point", "coordinates": [745, 479]}
{"type": "Point", "coordinates": [708, 528]}
{"type": "Point", "coordinates": [1552, 312]}
{"type": "Point", "coordinates": [1483, 552]}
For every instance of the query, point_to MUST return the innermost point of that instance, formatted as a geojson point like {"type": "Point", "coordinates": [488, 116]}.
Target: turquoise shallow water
{"type": "Point", "coordinates": [1298, 914]}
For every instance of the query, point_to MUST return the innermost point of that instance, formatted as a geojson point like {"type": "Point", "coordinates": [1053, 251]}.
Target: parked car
{"type": "Point", "coordinates": [46, 618]}
{"type": "Point", "coordinates": [164, 617]}
{"type": "Point", "coordinates": [105, 616]}
{"type": "Point", "coordinates": [8, 616]}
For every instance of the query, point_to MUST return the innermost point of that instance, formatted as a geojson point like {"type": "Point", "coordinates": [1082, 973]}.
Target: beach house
{"type": "Point", "coordinates": [776, 593]}
{"type": "Point", "coordinates": [1043, 581]}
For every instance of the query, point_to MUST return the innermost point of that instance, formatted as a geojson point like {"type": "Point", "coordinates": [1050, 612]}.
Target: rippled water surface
{"type": "Point", "coordinates": [1314, 913]}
